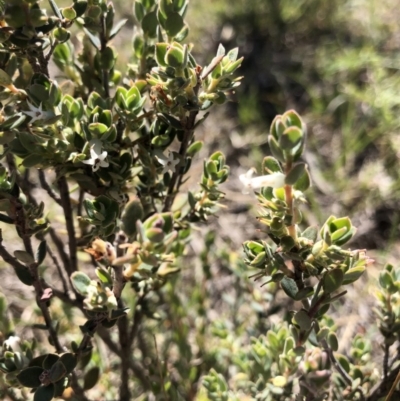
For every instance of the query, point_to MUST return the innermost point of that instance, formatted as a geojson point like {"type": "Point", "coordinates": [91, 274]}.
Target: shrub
{"type": "Point", "coordinates": [109, 151]}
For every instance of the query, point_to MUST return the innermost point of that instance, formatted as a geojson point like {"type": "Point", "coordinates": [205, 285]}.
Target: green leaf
{"type": "Point", "coordinates": [117, 28]}
{"type": "Point", "coordinates": [69, 361]}
{"type": "Point", "coordinates": [173, 24]}
{"type": "Point", "coordinates": [303, 320]}
{"type": "Point", "coordinates": [194, 148]}
{"type": "Point", "coordinates": [24, 275]}
{"type": "Point", "coordinates": [41, 252]}
{"type": "Point", "coordinates": [304, 181]}
{"type": "Point", "coordinates": [44, 393]}
{"type": "Point", "coordinates": [117, 313]}
{"type": "Point", "coordinates": [161, 51]}
{"type": "Point", "coordinates": [69, 13]}
{"type": "Point", "coordinates": [332, 280]}
{"type": "Point", "coordinates": [97, 128]}
{"type": "Point", "coordinates": [175, 57]}
{"type": "Point", "coordinates": [346, 237]}
{"type": "Point", "coordinates": [80, 7]}
{"type": "Point", "coordinates": [304, 293]}
{"type": "Point", "coordinates": [50, 360]}
{"type": "Point", "coordinates": [271, 165]}
{"type": "Point", "coordinates": [337, 224]}
{"type": "Point", "coordinates": [293, 118]}
{"type": "Point", "coordinates": [149, 24]}
{"type": "Point", "coordinates": [5, 219]}
{"type": "Point", "coordinates": [57, 372]}
{"type": "Point", "coordinates": [29, 377]}
{"type": "Point", "coordinates": [295, 173]}
{"type": "Point", "coordinates": [55, 9]}
{"type": "Point", "coordinates": [385, 280]}
{"type": "Point", "coordinates": [81, 282]}
{"type": "Point", "coordinates": [290, 138]}
{"type": "Point", "coordinates": [32, 160]}
{"type": "Point", "coordinates": [310, 233]}
{"type": "Point", "coordinates": [138, 10]}
{"type": "Point", "coordinates": [93, 39]}
{"type": "Point", "coordinates": [132, 213]}
{"type": "Point", "coordinates": [181, 36]}
{"type": "Point", "coordinates": [24, 257]}
{"type": "Point", "coordinates": [333, 341]}
{"type": "Point", "coordinates": [155, 234]}
{"type": "Point", "coordinates": [289, 287]}
{"type": "Point", "coordinates": [91, 378]}
{"type": "Point", "coordinates": [275, 149]}
{"type": "Point", "coordinates": [5, 79]}
{"type": "Point", "coordinates": [172, 121]}
{"type": "Point", "coordinates": [104, 276]}
{"type": "Point", "coordinates": [353, 274]}
{"type": "Point", "coordinates": [322, 334]}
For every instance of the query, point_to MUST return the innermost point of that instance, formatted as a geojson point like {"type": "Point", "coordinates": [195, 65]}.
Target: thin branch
{"type": "Point", "coordinates": [60, 272]}
{"type": "Point", "coordinates": [339, 368]}
{"type": "Point", "coordinates": [69, 221]}
{"type": "Point", "coordinates": [135, 366]}
{"type": "Point", "coordinates": [386, 361]}
{"type": "Point", "coordinates": [33, 269]}
{"type": "Point", "coordinates": [159, 368]}
{"type": "Point", "coordinates": [60, 249]}
{"type": "Point", "coordinates": [47, 188]}
{"type": "Point", "coordinates": [78, 390]}
{"type": "Point", "coordinates": [177, 177]}
{"type": "Point", "coordinates": [105, 72]}
{"type": "Point", "coordinates": [384, 387]}
{"type": "Point", "coordinates": [137, 318]}
{"type": "Point", "coordinates": [8, 258]}
{"type": "Point", "coordinates": [393, 388]}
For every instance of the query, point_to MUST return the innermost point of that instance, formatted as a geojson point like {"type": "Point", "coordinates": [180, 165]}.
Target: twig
{"type": "Point", "coordinates": [47, 188]}
{"type": "Point", "coordinates": [78, 390]}
{"type": "Point", "coordinates": [33, 269]}
{"type": "Point", "coordinates": [385, 386]}
{"type": "Point", "coordinates": [105, 72]}
{"type": "Point", "coordinates": [60, 248]}
{"type": "Point", "coordinates": [339, 368]}
{"type": "Point", "coordinates": [187, 137]}
{"type": "Point", "coordinates": [159, 368]}
{"type": "Point", "coordinates": [393, 388]}
{"type": "Point", "coordinates": [136, 368]}
{"type": "Point", "coordinates": [386, 361]}
{"type": "Point", "coordinates": [126, 344]}
{"type": "Point", "coordinates": [119, 280]}
{"type": "Point", "coordinates": [138, 315]}
{"type": "Point", "coordinates": [60, 272]}
{"type": "Point", "coordinates": [177, 176]}
{"type": "Point", "coordinates": [69, 221]}
{"type": "Point", "coordinates": [8, 258]}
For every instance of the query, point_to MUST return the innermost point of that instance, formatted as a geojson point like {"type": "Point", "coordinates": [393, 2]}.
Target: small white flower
{"type": "Point", "coordinates": [274, 180]}
{"type": "Point", "coordinates": [169, 162]}
{"type": "Point", "coordinates": [13, 343]}
{"type": "Point", "coordinates": [37, 113]}
{"type": "Point", "coordinates": [97, 157]}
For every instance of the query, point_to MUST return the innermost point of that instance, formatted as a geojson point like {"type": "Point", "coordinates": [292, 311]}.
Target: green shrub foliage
{"type": "Point", "coordinates": [110, 149]}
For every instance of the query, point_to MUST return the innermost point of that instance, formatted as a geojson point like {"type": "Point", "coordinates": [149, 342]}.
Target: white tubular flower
{"type": "Point", "coordinates": [97, 157]}
{"type": "Point", "coordinates": [274, 180]}
{"type": "Point", "coordinates": [37, 113]}
{"type": "Point", "coordinates": [169, 163]}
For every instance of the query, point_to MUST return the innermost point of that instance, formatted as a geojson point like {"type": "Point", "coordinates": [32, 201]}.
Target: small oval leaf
{"type": "Point", "coordinates": [81, 282]}
{"type": "Point", "coordinates": [91, 378]}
